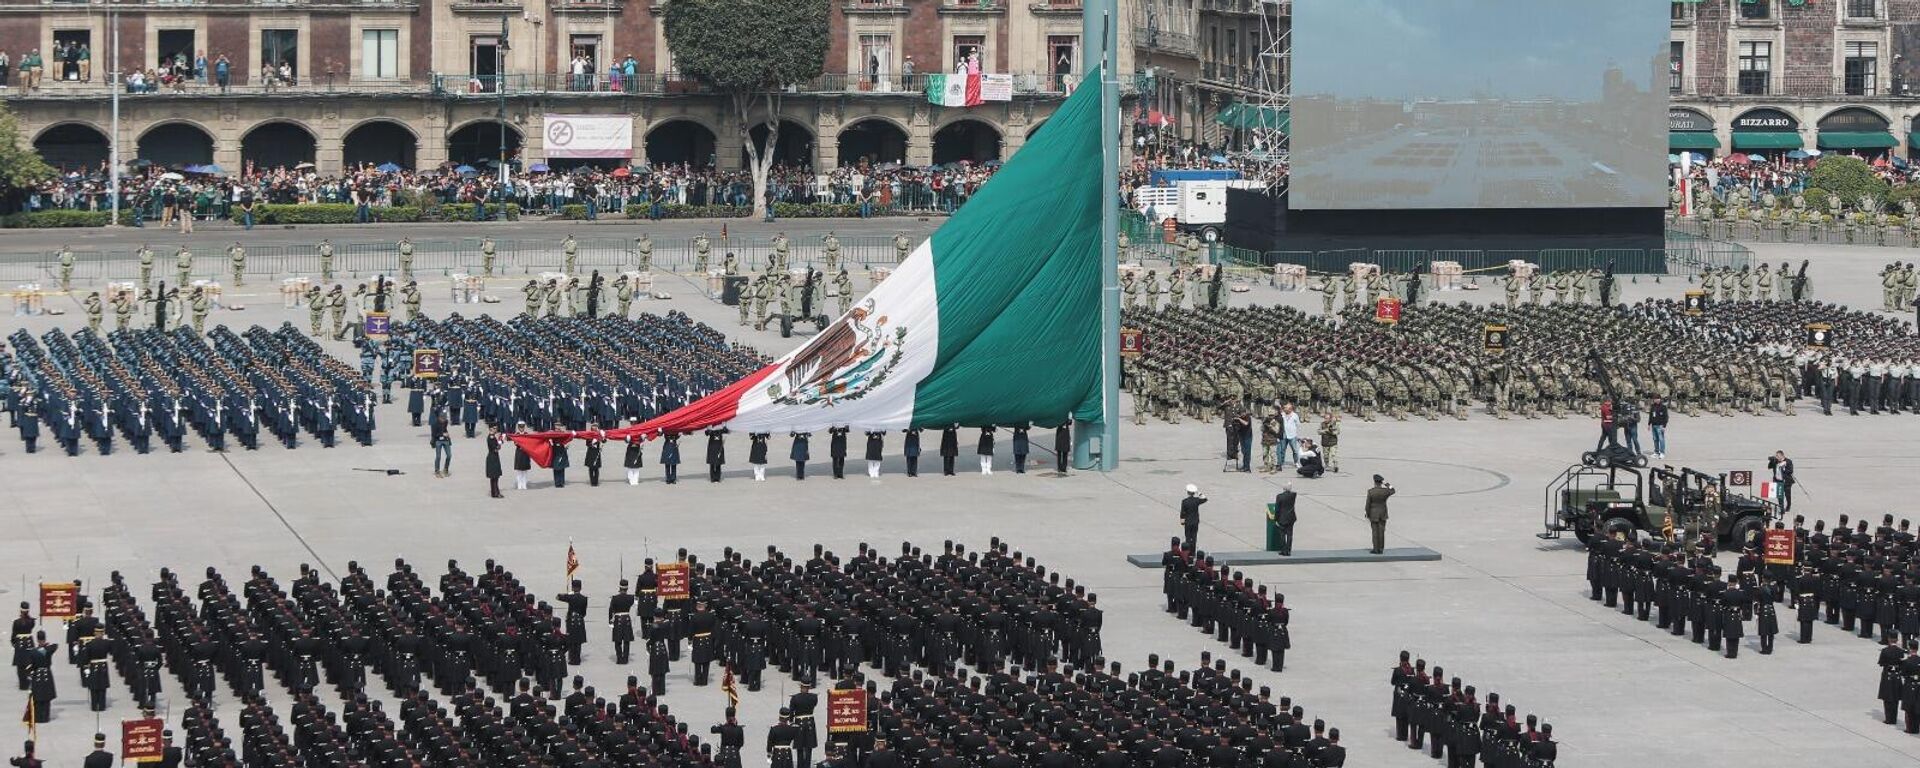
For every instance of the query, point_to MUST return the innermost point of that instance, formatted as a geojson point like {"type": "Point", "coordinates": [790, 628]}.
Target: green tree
{"type": "Point", "coordinates": [1848, 177]}
{"type": "Point", "coordinates": [749, 50]}
{"type": "Point", "coordinates": [20, 164]}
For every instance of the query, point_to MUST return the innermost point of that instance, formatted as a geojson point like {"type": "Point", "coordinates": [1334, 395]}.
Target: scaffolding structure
{"type": "Point", "coordinates": [1269, 147]}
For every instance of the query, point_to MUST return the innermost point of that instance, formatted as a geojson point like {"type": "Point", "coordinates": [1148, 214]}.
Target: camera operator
{"type": "Point", "coordinates": [1782, 468]}
{"type": "Point", "coordinates": [1627, 418]}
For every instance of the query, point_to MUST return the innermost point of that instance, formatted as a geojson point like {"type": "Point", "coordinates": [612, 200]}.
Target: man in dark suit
{"type": "Point", "coordinates": [1190, 515]}
{"type": "Point", "coordinates": [1377, 511]}
{"type": "Point", "coordinates": [1782, 476]}
{"type": "Point", "coordinates": [1284, 517]}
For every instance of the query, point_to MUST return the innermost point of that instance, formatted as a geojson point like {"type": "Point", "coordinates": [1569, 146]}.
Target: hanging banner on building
{"type": "Point", "coordinates": [996, 87]}
{"type": "Point", "coordinates": [592, 136]}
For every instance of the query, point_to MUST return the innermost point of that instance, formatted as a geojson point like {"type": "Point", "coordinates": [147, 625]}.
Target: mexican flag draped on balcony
{"type": "Point", "coordinates": [967, 90]}
{"type": "Point", "coordinates": [994, 320]}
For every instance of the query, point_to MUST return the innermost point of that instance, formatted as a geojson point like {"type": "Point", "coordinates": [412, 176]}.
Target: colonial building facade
{"type": "Point", "coordinates": [422, 82]}
{"type": "Point", "coordinates": [1204, 57]}
{"type": "Point", "coordinates": [1769, 77]}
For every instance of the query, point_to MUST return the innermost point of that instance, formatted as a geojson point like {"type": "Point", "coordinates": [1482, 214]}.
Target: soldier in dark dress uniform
{"type": "Point", "coordinates": [837, 451]}
{"type": "Point", "coordinates": [1766, 619]}
{"type": "Point", "coordinates": [40, 677]}
{"type": "Point", "coordinates": [559, 465]}
{"type": "Point", "coordinates": [594, 444]}
{"type": "Point", "coordinates": [576, 621]}
{"type": "Point", "coordinates": [1020, 448]}
{"type": "Point", "coordinates": [657, 656]}
{"type": "Point", "coordinates": [732, 739]}
{"type": "Point", "coordinates": [620, 617]}
{"type": "Point", "coordinates": [716, 452]}
{"type": "Point", "coordinates": [495, 440]}
{"type": "Point", "coordinates": [911, 448]}
{"type": "Point", "coordinates": [800, 454]}
{"type": "Point", "coordinates": [22, 640]}
{"type": "Point", "coordinates": [670, 458]}
{"type": "Point", "coordinates": [949, 449]}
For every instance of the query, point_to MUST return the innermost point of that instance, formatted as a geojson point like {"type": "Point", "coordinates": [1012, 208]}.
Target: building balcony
{"type": "Point", "coordinates": [1061, 8]}
{"type": "Point", "coordinates": [603, 85]}
{"type": "Point", "coordinates": [874, 8]}
{"type": "Point", "coordinates": [323, 84]}
{"type": "Point", "coordinates": [1164, 41]}
{"type": "Point", "coordinates": [599, 85]}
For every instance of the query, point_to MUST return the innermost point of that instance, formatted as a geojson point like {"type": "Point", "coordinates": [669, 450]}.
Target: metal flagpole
{"type": "Point", "coordinates": [1109, 234]}
{"type": "Point", "coordinates": [1099, 36]}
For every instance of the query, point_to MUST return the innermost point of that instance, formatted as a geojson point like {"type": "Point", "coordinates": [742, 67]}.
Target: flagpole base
{"type": "Point", "coordinates": [1086, 435]}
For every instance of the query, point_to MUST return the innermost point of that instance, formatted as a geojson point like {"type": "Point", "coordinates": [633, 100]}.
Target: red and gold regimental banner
{"type": "Point", "coordinates": [59, 600]}
{"type": "Point", "coordinates": [847, 711]}
{"type": "Point", "coordinates": [142, 740]}
{"type": "Point", "coordinates": [675, 583]}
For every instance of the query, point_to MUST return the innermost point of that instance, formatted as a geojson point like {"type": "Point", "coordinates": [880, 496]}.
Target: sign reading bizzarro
{"type": "Point", "coordinates": [593, 136]}
{"type": "Point", "coordinates": [1765, 120]}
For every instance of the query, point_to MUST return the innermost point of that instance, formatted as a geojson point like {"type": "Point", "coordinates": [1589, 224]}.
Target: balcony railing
{"type": "Point", "coordinates": [651, 84]}
{"type": "Point", "coordinates": [461, 86]}
{"type": "Point", "coordinates": [1164, 40]}
{"type": "Point", "coordinates": [321, 84]}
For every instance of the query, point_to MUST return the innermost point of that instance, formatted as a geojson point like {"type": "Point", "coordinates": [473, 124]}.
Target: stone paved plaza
{"type": "Point", "coordinates": [1503, 610]}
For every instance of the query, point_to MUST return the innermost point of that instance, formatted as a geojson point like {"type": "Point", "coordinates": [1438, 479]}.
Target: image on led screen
{"type": "Point", "coordinates": [1479, 104]}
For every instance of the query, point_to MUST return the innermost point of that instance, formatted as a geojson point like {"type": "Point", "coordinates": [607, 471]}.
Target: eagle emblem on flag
{"type": "Point", "coordinates": [844, 362]}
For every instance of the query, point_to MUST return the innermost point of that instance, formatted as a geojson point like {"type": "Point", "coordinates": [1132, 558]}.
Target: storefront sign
{"type": "Point", "coordinates": [1764, 120]}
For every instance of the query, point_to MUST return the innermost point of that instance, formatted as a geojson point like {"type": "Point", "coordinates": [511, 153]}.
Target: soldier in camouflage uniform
{"type": "Point", "coordinates": [1152, 289]}
{"type": "Point", "coordinates": [1176, 287]}
{"type": "Point", "coordinates": [487, 251]}
{"type": "Point", "coordinates": [702, 254]}
{"type": "Point", "coordinates": [1140, 385]}
{"type": "Point", "coordinates": [1326, 295]}
{"type": "Point", "coordinates": [535, 295]}
{"type": "Point", "coordinates": [1513, 289]}
{"type": "Point", "coordinates": [1129, 290]}
{"type": "Point", "coordinates": [1763, 283]}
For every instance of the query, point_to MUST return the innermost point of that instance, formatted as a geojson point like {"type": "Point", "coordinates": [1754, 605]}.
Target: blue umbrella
{"type": "Point", "coordinates": [1899, 162]}
{"type": "Point", "coordinates": [196, 168]}
{"type": "Point", "coordinates": [212, 169]}
{"type": "Point", "coordinates": [388, 168]}
{"type": "Point", "coordinates": [1798, 154]}
{"type": "Point", "coordinates": [1673, 158]}
{"type": "Point", "coordinates": [466, 170]}
{"type": "Point", "coordinates": [1218, 158]}
{"type": "Point", "coordinates": [539, 168]}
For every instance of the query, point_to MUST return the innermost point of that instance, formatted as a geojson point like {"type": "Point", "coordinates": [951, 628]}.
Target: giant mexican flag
{"type": "Point", "coordinates": [995, 319]}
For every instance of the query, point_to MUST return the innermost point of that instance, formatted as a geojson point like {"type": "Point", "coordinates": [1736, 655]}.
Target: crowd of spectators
{"type": "Point", "coordinates": [1730, 178]}
{"type": "Point", "coordinates": [656, 191]}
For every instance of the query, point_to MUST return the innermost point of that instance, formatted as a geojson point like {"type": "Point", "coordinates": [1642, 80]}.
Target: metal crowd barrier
{"type": "Point", "coordinates": [354, 261]}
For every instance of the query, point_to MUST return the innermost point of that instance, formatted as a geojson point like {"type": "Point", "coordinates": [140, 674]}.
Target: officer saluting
{"type": "Point", "coordinates": [576, 621]}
